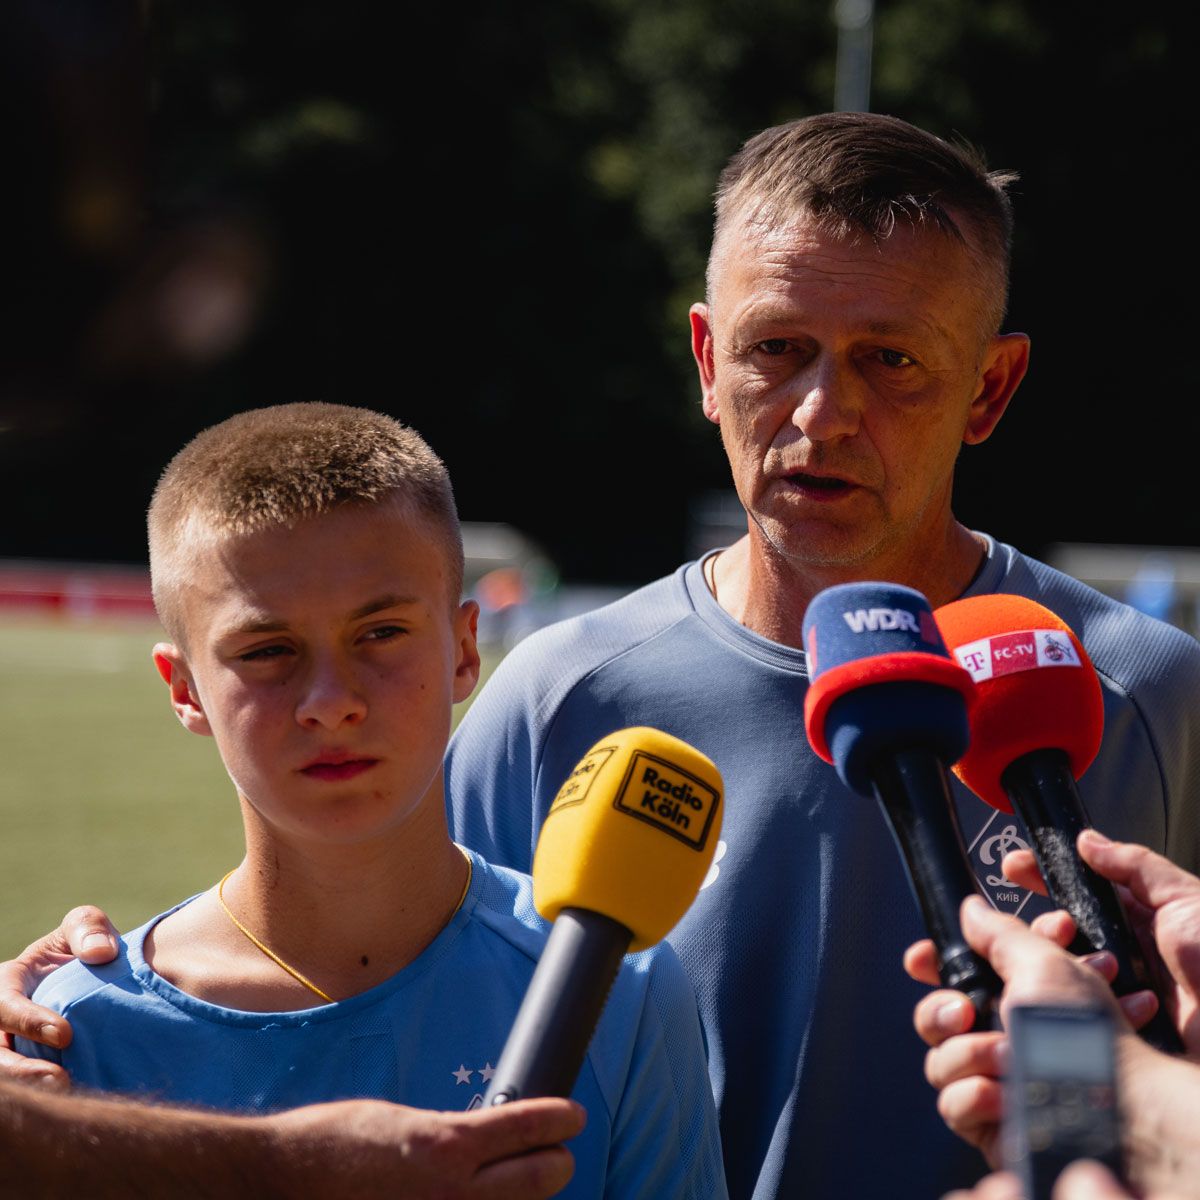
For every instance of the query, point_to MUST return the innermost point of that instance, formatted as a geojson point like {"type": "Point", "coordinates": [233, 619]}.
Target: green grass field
{"type": "Point", "coordinates": [104, 798]}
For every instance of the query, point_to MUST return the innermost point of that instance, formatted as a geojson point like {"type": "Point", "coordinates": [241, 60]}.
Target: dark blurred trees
{"type": "Point", "coordinates": [490, 221]}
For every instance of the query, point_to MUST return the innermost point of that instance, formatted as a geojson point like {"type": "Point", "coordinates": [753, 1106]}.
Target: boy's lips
{"type": "Point", "coordinates": [337, 766]}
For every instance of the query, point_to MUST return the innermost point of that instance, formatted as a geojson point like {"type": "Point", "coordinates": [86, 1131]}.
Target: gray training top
{"type": "Point", "coordinates": [794, 945]}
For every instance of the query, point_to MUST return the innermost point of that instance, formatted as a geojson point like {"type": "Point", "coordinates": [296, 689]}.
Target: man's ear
{"type": "Point", "coordinates": [702, 352]}
{"type": "Point", "coordinates": [466, 662]}
{"type": "Point", "coordinates": [185, 700]}
{"type": "Point", "coordinates": [1004, 365]}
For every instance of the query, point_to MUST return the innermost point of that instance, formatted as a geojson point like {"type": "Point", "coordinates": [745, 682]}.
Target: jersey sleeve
{"type": "Point", "coordinates": [665, 1138]}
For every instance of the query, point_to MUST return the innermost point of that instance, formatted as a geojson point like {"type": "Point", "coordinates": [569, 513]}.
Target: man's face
{"type": "Point", "coordinates": [324, 660]}
{"type": "Point", "coordinates": [844, 376]}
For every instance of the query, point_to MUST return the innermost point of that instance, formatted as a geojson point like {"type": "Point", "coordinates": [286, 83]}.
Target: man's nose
{"type": "Point", "coordinates": [827, 402]}
{"type": "Point", "coordinates": [331, 696]}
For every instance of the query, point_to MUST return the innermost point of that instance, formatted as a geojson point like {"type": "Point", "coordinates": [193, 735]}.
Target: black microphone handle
{"type": "Point", "coordinates": [556, 1020]}
{"type": "Point", "coordinates": [1042, 789]}
{"type": "Point", "coordinates": [914, 793]}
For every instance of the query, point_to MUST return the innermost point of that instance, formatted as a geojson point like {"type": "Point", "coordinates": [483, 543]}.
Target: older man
{"type": "Point", "coordinates": [848, 347]}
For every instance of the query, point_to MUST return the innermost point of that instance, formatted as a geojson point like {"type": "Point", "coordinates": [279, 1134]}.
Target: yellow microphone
{"type": "Point", "coordinates": [622, 853]}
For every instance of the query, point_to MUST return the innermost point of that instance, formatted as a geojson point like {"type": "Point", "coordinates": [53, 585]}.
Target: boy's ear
{"type": "Point", "coordinates": [466, 662]}
{"type": "Point", "coordinates": [185, 700]}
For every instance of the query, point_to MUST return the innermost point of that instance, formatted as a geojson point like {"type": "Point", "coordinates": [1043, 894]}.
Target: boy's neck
{"type": "Point", "coordinates": [347, 917]}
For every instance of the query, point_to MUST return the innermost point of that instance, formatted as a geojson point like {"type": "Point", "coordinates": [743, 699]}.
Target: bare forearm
{"type": "Point", "coordinates": [53, 1146]}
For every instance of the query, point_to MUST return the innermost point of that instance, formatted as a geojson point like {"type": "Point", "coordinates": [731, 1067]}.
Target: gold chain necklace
{"type": "Point", "coordinates": [296, 975]}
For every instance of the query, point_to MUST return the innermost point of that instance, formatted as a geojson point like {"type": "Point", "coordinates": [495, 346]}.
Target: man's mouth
{"type": "Point", "coordinates": [819, 487]}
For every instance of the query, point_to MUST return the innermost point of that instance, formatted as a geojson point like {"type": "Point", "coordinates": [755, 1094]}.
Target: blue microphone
{"type": "Point", "coordinates": [887, 706]}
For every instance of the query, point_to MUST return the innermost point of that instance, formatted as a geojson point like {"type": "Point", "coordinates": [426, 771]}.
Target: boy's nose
{"type": "Point", "coordinates": [330, 699]}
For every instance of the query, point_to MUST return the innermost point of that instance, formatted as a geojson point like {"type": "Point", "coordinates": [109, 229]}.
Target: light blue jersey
{"type": "Point", "coordinates": [794, 944]}
{"type": "Point", "coordinates": [430, 1037]}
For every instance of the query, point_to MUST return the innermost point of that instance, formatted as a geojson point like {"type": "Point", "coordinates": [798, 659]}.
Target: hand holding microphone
{"type": "Point", "coordinates": [1036, 727]}
{"type": "Point", "coordinates": [887, 706]}
{"type": "Point", "coordinates": [623, 852]}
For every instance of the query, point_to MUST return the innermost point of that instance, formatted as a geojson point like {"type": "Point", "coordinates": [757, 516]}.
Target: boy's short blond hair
{"type": "Point", "coordinates": [273, 467]}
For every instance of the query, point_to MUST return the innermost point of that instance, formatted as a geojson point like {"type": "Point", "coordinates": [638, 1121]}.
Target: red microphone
{"type": "Point", "coordinates": [1036, 726]}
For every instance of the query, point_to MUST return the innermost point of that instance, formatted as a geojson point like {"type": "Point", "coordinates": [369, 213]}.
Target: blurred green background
{"type": "Point", "coordinates": [104, 798]}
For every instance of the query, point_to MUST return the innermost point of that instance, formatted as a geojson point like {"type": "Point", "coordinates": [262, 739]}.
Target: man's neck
{"type": "Point", "coordinates": [345, 917]}
{"type": "Point", "coordinates": [769, 594]}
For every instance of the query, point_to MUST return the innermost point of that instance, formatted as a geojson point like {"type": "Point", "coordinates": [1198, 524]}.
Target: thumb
{"type": "Point", "coordinates": [1088, 1180]}
{"type": "Point", "coordinates": [88, 934]}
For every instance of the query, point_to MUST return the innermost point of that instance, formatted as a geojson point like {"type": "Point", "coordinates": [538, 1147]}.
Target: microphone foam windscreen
{"type": "Point", "coordinates": [857, 635]}
{"type": "Point", "coordinates": [1036, 688]}
{"type": "Point", "coordinates": [631, 833]}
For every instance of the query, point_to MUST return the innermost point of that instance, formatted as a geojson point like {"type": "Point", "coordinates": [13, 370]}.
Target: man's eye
{"type": "Point", "coordinates": [773, 347]}
{"type": "Point", "coordinates": [895, 358]}
{"type": "Point", "coordinates": [383, 633]}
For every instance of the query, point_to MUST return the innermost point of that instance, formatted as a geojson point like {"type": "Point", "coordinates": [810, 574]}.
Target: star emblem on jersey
{"type": "Point", "coordinates": [463, 1074]}
{"type": "Point", "coordinates": [486, 1073]}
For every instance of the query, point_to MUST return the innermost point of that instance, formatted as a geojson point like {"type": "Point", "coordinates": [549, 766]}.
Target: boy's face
{"type": "Point", "coordinates": [324, 659]}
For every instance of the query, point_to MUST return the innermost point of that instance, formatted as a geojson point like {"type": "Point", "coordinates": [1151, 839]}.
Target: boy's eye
{"type": "Point", "coordinates": [264, 652]}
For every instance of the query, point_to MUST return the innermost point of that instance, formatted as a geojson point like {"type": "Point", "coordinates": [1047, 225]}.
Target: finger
{"type": "Point", "coordinates": [36, 961]}
{"type": "Point", "coordinates": [89, 934]}
{"type": "Point", "coordinates": [941, 1015]}
{"type": "Point", "coordinates": [1031, 967]}
{"type": "Point", "coordinates": [1138, 1007]}
{"type": "Point", "coordinates": [920, 961]}
{"type": "Point", "coordinates": [1153, 880]}
{"type": "Point", "coordinates": [1021, 868]}
{"type": "Point", "coordinates": [1007, 942]}
{"type": "Point", "coordinates": [1001, 1186]}
{"type": "Point", "coordinates": [509, 1129]}
{"type": "Point", "coordinates": [19, 1015]}
{"type": "Point", "coordinates": [533, 1176]}
{"type": "Point", "coordinates": [962, 1057]}
{"type": "Point", "coordinates": [1004, 941]}
{"type": "Point", "coordinates": [972, 1108]}
{"type": "Point", "coordinates": [1103, 962]}
{"type": "Point", "coordinates": [1057, 927]}
{"type": "Point", "coordinates": [17, 1067]}
{"type": "Point", "coordinates": [1088, 1180]}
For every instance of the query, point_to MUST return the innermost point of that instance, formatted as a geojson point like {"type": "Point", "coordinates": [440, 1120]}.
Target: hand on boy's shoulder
{"type": "Point", "coordinates": [85, 933]}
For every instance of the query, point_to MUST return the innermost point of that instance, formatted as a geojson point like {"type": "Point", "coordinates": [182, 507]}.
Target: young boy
{"type": "Point", "coordinates": [306, 561]}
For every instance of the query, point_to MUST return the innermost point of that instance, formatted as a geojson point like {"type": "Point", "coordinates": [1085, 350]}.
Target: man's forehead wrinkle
{"type": "Point", "coordinates": [773, 300]}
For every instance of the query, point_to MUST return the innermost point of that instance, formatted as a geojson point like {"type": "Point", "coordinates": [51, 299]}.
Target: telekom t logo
{"type": "Point", "coordinates": [974, 660]}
